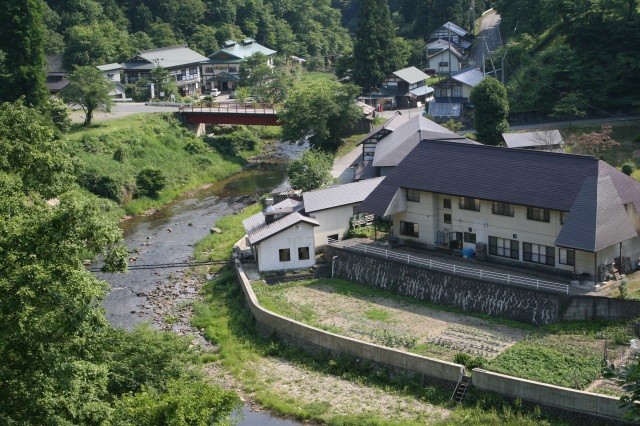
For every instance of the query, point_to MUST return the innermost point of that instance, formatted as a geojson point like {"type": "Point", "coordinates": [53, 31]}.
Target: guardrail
{"type": "Point", "coordinates": [232, 108]}
{"type": "Point", "coordinates": [452, 268]}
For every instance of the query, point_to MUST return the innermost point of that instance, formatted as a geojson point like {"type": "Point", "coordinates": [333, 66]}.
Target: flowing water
{"type": "Point", "coordinates": [168, 236]}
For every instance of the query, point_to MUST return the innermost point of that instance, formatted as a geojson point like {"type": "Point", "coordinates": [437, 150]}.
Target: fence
{"type": "Point", "coordinates": [453, 268]}
{"type": "Point", "coordinates": [231, 108]}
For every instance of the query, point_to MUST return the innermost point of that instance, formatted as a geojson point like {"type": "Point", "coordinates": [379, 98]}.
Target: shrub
{"type": "Point", "coordinates": [462, 358]}
{"type": "Point", "coordinates": [150, 181]}
{"type": "Point", "coordinates": [623, 288]}
{"type": "Point", "coordinates": [195, 146]}
{"type": "Point", "coordinates": [628, 168]}
{"type": "Point", "coordinates": [120, 154]}
{"type": "Point", "coordinates": [232, 143]}
{"type": "Point", "coordinates": [103, 185]}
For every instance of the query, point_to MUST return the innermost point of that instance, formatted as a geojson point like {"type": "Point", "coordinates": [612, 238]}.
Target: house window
{"type": "Point", "coordinates": [285, 255]}
{"type": "Point", "coordinates": [208, 70]}
{"type": "Point", "coordinates": [504, 247]}
{"type": "Point", "coordinates": [443, 64]}
{"type": "Point", "coordinates": [502, 209]}
{"type": "Point", "coordinates": [303, 253]}
{"type": "Point", "coordinates": [447, 203]}
{"type": "Point", "coordinates": [541, 215]}
{"type": "Point", "coordinates": [536, 253]}
{"type": "Point", "coordinates": [563, 216]}
{"type": "Point", "coordinates": [233, 69]}
{"type": "Point", "coordinates": [468, 203]}
{"type": "Point", "coordinates": [193, 71]}
{"type": "Point", "coordinates": [331, 238]}
{"type": "Point", "coordinates": [413, 195]}
{"type": "Point", "coordinates": [567, 257]}
{"type": "Point", "coordinates": [469, 237]}
{"type": "Point", "coordinates": [409, 229]}
{"type": "Point", "coordinates": [447, 218]}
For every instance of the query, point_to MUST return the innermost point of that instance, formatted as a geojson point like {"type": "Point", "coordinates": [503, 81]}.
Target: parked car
{"type": "Point", "coordinates": [214, 92]}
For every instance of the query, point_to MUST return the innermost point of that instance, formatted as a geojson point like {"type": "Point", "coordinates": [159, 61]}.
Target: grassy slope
{"type": "Point", "coordinates": [151, 140]}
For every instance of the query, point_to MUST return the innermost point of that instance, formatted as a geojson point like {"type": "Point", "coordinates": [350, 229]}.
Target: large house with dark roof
{"type": "Point", "coordinates": [551, 210]}
{"type": "Point", "coordinates": [451, 95]}
{"type": "Point", "coordinates": [221, 70]}
{"type": "Point", "coordinates": [181, 62]}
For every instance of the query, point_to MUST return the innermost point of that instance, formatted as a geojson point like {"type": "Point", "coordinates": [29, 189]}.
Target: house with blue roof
{"type": "Point", "coordinates": [570, 214]}
{"type": "Point", "coordinates": [221, 70]}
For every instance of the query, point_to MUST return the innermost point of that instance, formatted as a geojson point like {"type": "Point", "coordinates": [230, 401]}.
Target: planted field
{"type": "Point", "coordinates": [567, 354]}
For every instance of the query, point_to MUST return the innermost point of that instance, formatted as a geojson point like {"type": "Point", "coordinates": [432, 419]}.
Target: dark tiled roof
{"type": "Point", "coordinates": [532, 178]}
{"type": "Point", "coordinates": [598, 218]}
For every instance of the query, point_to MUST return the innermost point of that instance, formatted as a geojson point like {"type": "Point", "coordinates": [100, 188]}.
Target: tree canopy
{"type": "Point", "coordinates": [22, 47]}
{"type": "Point", "coordinates": [321, 109]}
{"type": "Point", "coordinates": [491, 110]}
{"type": "Point", "coordinates": [89, 89]}
{"type": "Point", "coordinates": [311, 171]}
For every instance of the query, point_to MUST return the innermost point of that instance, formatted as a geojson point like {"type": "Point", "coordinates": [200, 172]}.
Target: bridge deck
{"type": "Point", "coordinates": [248, 114]}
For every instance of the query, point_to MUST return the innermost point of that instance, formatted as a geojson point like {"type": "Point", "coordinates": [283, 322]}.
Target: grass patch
{"type": "Point", "coordinates": [110, 154]}
{"type": "Point", "coordinates": [574, 350]}
{"type": "Point", "coordinates": [378, 314]}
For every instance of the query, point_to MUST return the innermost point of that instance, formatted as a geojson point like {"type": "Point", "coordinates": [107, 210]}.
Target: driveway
{"type": "Point", "coordinates": [488, 39]}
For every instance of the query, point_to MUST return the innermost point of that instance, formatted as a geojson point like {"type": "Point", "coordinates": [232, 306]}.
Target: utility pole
{"type": "Point", "coordinates": [472, 16]}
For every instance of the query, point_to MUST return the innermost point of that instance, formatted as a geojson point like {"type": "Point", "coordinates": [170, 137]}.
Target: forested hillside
{"type": "Point", "coordinates": [570, 57]}
{"type": "Point", "coordinates": [92, 31]}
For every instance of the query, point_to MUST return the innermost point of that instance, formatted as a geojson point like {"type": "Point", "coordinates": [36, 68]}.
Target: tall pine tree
{"type": "Point", "coordinates": [22, 41]}
{"type": "Point", "coordinates": [374, 53]}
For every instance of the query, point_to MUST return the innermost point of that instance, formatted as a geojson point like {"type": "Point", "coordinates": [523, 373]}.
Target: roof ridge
{"type": "Point", "coordinates": [162, 48]}
{"type": "Point", "coordinates": [534, 151]}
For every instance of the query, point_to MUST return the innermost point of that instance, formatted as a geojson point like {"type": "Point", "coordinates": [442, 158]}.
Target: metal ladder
{"type": "Point", "coordinates": [461, 388]}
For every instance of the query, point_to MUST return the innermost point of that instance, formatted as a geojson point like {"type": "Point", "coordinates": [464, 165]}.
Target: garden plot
{"type": "Point", "coordinates": [362, 314]}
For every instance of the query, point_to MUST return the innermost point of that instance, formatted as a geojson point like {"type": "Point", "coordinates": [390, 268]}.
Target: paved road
{"type": "Point", "coordinates": [489, 33]}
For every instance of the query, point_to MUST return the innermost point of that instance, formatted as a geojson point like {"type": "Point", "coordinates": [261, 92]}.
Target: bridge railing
{"type": "Point", "coordinates": [232, 108]}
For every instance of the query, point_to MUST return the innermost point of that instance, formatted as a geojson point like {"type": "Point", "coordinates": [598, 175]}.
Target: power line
{"type": "Point", "coordinates": [170, 265]}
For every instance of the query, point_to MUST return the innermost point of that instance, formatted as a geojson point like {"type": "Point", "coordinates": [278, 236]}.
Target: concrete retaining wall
{"type": "Point", "coordinates": [516, 303]}
{"type": "Point", "coordinates": [583, 308]}
{"type": "Point", "coordinates": [542, 393]}
{"type": "Point", "coordinates": [303, 335]}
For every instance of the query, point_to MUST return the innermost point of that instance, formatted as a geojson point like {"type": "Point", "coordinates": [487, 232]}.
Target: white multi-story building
{"type": "Point", "coordinates": [550, 210]}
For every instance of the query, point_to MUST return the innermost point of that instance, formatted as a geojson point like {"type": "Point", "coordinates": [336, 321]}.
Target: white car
{"type": "Point", "coordinates": [214, 92]}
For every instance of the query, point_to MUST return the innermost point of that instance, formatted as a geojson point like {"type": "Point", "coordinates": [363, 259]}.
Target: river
{"type": "Point", "coordinates": [168, 236]}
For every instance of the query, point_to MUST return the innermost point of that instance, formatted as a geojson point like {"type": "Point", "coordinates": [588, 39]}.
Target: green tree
{"type": "Point", "coordinates": [89, 89]}
{"type": "Point", "coordinates": [31, 152]}
{"type": "Point", "coordinates": [59, 113]}
{"type": "Point", "coordinates": [163, 82]}
{"type": "Point", "coordinates": [320, 109]}
{"type": "Point", "coordinates": [22, 41]}
{"type": "Point", "coordinates": [375, 53]}
{"type": "Point", "coordinates": [311, 171]}
{"type": "Point", "coordinates": [150, 181]}
{"type": "Point", "coordinates": [96, 44]}
{"type": "Point", "coordinates": [569, 107]}
{"type": "Point", "coordinates": [491, 109]}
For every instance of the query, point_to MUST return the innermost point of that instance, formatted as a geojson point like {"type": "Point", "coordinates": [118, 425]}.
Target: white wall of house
{"type": "Point", "coordinates": [429, 214]}
{"type": "Point", "coordinates": [293, 238]}
{"type": "Point", "coordinates": [438, 61]}
{"type": "Point", "coordinates": [334, 221]}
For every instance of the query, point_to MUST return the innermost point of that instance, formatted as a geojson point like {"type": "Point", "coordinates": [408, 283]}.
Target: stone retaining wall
{"type": "Point", "coordinates": [468, 294]}
{"type": "Point", "coordinates": [585, 308]}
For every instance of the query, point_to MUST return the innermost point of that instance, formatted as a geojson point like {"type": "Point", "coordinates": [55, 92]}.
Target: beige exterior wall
{"type": "Point", "coordinates": [429, 213]}
{"type": "Point", "coordinates": [268, 251]}
{"type": "Point", "coordinates": [332, 221]}
{"type": "Point", "coordinates": [444, 56]}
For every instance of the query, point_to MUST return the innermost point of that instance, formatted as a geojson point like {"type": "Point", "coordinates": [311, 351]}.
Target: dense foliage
{"type": "Point", "coordinates": [22, 60]}
{"type": "Point", "coordinates": [320, 109]}
{"type": "Point", "coordinates": [311, 171]}
{"type": "Point", "coordinates": [491, 109]}
{"type": "Point", "coordinates": [89, 89]}
{"type": "Point", "coordinates": [91, 32]}
{"type": "Point", "coordinates": [585, 49]}
{"type": "Point", "coordinates": [61, 361]}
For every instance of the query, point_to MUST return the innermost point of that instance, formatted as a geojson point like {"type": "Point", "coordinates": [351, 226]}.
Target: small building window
{"type": "Point", "coordinates": [567, 257]}
{"type": "Point", "coordinates": [541, 215]}
{"type": "Point", "coordinates": [504, 247]}
{"type": "Point", "coordinates": [208, 70]}
{"type": "Point", "coordinates": [446, 203]}
{"type": "Point", "coordinates": [469, 203]}
{"type": "Point", "coordinates": [447, 218]}
{"type": "Point", "coordinates": [536, 253]}
{"type": "Point", "coordinates": [285, 255]}
{"type": "Point", "coordinates": [443, 64]}
{"type": "Point", "coordinates": [413, 195]}
{"type": "Point", "coordinates": [303, 253]}
{"type": "Point", "coordinates": [502, 209]}
{"type": "Point", "coordinates": [469, 237]}
{"type": "Point", "coordinates": [409, 229]}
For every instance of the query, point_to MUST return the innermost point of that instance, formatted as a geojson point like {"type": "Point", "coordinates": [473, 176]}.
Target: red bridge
{"type": "Point", "coordinates": [232, 113]}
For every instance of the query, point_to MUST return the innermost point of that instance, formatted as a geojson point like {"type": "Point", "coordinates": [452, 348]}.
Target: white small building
{"type": "Point", "coordinates": [113, 72]}
{"type": "Point", "coordinates": [544, 140]}
{"type": "Point", "coordinates": [334, 208]}
{"type": "Point", "coordinates": [281, 238]}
